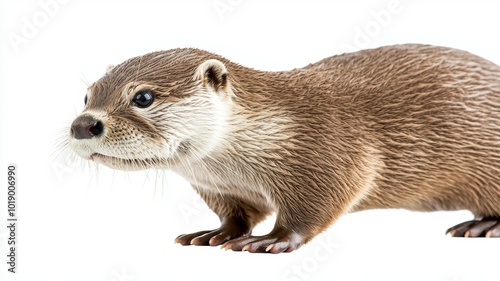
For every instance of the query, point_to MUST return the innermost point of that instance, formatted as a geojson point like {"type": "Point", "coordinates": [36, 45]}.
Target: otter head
{"type": "Point", "coordinates": [154, 111]}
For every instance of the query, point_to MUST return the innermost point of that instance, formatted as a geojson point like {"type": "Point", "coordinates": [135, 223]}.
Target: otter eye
{"type": "Point", "coordinates": [85, 100]}
{"type": "Point", "coordinates": [143, 99]}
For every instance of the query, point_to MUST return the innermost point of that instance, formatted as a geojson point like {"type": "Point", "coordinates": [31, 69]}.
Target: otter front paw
{"type": "Point", "coordinates": [229, 229]}
{"type": "Point", "coordinates": [486, 227]}
{"type": "Point", "coordinates": [278, 241]}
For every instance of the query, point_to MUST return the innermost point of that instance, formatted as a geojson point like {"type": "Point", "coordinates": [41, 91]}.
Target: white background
{"type": "Point", "coordinates": [77, 222]}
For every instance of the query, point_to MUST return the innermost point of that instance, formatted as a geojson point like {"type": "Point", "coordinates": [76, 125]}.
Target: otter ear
{"type": "Point", "coordinates": [109, 68]}
{"type": "Point", "coordinates": [213, 73]}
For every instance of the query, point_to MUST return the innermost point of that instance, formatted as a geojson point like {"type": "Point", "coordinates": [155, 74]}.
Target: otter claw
{"type": "Point", "coordinates": [230, 229]}
{"type": "Point", "coordinates": [275, 242]}
{"type": "Point", "coordinates": [486, 227]}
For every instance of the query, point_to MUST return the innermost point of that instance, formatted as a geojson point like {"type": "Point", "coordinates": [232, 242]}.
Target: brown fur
{"type": "Point", "coordinates": [407, 126]}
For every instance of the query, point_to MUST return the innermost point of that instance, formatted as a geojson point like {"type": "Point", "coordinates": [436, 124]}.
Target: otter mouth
{"type": "Point", "coordinates": [125, 163]}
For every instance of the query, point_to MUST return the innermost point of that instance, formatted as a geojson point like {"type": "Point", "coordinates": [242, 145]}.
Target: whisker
{"type": "Point", "coordinates": [84, 79]}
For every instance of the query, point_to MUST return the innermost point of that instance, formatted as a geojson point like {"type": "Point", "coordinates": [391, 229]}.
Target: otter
{"type": "Point", "coordinates": [406, 126]}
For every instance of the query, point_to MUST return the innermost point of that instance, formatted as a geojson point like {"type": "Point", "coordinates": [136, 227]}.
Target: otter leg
{"type": "Point", "coordinates": [485, 227]}
{"type": "Point", "coordinates": [297, 222]}
{"type": "Point", "coordinates": [238, 218]}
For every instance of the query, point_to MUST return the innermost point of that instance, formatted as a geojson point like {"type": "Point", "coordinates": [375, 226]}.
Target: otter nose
{"type": "Point", "coordinates": [86, 127]}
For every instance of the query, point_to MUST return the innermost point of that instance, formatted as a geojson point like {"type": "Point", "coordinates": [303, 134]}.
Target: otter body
{"type": "Point", "coordinates": [406, 126]}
